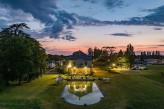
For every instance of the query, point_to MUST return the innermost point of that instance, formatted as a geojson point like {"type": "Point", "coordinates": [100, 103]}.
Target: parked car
{"type": "Point", "coordinates": [139, 68]}
{"type": "Point", "coordinates": [135, 67]}
{"type": "Point", "coordinates": [143, 68]}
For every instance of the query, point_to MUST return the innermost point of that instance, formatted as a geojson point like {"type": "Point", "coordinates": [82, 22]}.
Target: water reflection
{"type": "Point", "coordinates": [81, 93]}
{"type": "Point", "coordinates": [80, 88]}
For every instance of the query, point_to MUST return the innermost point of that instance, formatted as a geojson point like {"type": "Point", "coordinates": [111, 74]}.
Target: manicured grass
{"type": "Point", "coordinates": [132, 91]}
{"type": "Point", "coordinates": [31, 95]}
{"type": "Point", "coordinates": [154, 73]}
{"type": "Point", "coordinates": [124, 91]}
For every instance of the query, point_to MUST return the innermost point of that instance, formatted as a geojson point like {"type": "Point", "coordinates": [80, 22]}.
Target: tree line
{"type": "Point", "coordinates": [150, 55]}
{"type": "Point", "coordinates": [107, 56]}
{"type": "Point", "coordinates": [21, 57]}
{"type": "Point", "coordinates": [56, 57]}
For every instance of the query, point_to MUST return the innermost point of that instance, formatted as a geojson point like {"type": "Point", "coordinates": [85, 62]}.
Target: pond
{"type": "Point", "coordinates": [82, 93]}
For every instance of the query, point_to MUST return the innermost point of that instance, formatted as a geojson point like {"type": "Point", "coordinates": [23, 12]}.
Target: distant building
{"type": "Point", "coordinates": [79, 64]}
{"type": "Point", "coordinates": [160, 61]}
{"type": "Point", "coordinates": [152, 61]}
{"type": "Point", "coordinates": [138, 61]}
{"type": "Point", "coordinates": [60, 63]}
{"type": "Point", "coordinates": [51, 64]}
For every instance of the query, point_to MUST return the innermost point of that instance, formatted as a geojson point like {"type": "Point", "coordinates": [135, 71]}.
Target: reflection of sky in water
{"type": "Point", "coordinates": [81, 93]}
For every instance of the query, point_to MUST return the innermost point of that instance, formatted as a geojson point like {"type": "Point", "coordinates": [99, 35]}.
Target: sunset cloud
{"type": "Point", "coordinates": [82, 22]}
{"type": "Point", "coordinates": [122, 34]}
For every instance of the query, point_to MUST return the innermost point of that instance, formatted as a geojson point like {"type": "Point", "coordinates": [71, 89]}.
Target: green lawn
{"type": "Point", "coordinates": [124, 91]}
{"type": "Point", "coordinates": [154, 73]}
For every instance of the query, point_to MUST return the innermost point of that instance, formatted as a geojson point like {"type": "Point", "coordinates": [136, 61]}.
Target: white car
{"type": "Point", "coordinates": [139, 68]}
{"type": "Point", "coordinates": [143, 68]}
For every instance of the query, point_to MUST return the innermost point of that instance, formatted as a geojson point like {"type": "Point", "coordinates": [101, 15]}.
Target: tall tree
{"type": "Point", "coordinates": [90, 51]}
{"type": "Point", "coordinates": [109, 51]}
{"type": "Point", "coordinates": [130, 55]}
{"type": "Point", "coordinates": [21, 56]}
{"type": "Point", "coordinates": [97, 52]}
{"type": "Point", "coordinates": [120, 53]}
{"type": "Point", "coordinates": [121, 58]}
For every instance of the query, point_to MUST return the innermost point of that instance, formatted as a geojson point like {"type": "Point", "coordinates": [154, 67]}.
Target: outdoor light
{"type": "Point", "coordinates": [69, 66]}
{"type": "Point", "coordinates": [113, 65]}
{"type": "Point", "coordinates": [74, 67]}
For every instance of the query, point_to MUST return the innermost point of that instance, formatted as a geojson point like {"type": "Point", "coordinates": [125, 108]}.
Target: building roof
{"type": "Point", "coordinates": [52, 61]}
{"type": "Point", "coordinates": [80, 55]}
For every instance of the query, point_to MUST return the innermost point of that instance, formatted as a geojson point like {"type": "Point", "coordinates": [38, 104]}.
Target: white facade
{"type": "Point", "coordinates": [79, 63]}
{"type": "Point", "coordinates": [80, 67]}
{"type": "Point", "coordinates": [51, 65]}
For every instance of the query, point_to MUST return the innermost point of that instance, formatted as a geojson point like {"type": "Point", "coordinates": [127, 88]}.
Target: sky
{"type": "Point", "coordinates": [65, 26]}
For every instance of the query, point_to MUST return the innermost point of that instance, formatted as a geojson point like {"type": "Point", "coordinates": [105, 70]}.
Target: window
{"type": "Point", "coordinates": [86, 63]}
{"type": "Point", "coordinates": [74, 63]}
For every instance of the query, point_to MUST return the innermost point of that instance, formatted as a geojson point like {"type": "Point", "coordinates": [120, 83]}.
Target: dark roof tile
{"type": "Point", "coordinates": [79, 55]}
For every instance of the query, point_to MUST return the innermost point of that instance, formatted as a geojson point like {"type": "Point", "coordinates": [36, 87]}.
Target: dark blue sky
{"type": "Point", "coordinates": [63, 26]}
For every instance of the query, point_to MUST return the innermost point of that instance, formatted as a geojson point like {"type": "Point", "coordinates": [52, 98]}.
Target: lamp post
{"type": "Point", "coordinates": [113, 65]}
